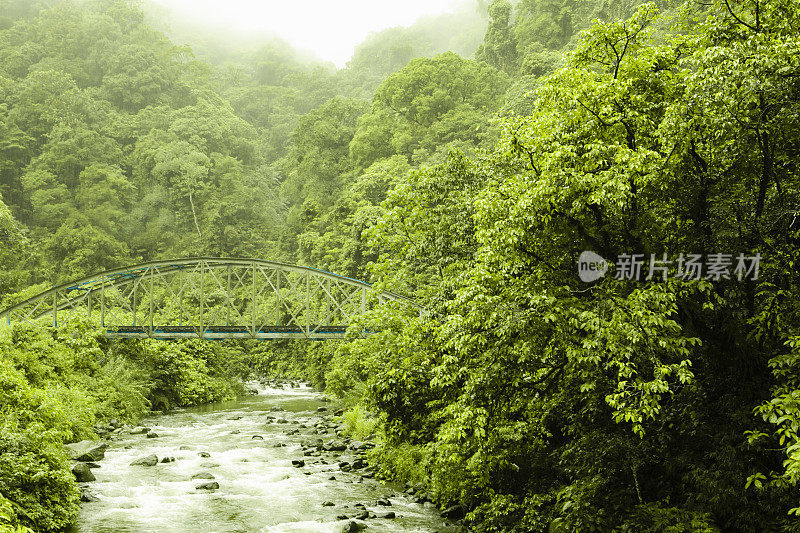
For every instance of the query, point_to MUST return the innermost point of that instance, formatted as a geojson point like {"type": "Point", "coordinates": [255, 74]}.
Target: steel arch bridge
{"type": "Point", "coordinates": [208, 298]}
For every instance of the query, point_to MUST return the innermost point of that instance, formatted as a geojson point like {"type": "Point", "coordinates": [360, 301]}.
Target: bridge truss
{"type": "Point", "coordinates": [208, 298]}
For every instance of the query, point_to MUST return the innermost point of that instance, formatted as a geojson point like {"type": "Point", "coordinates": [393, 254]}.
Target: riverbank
{"type": "Point", "coordinates": [57, 385]}
{"type": "Point", "coordinates": [277, 461]}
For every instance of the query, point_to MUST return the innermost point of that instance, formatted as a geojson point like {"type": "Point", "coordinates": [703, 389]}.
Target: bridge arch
{"type": "Point", "coordinates": [208, 298]}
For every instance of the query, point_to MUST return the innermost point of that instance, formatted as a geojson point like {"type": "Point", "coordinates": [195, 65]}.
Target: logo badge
{"type": "Point", "coordinates": [591, 266]}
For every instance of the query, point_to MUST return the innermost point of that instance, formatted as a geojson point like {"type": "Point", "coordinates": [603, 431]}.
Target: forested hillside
{"type": "Point", "coordinates": [465, 162]}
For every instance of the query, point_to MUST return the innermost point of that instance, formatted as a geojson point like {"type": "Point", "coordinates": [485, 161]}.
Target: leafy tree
{"type": "Point", "coordinates": [499, 48]}
{"type": "Point", "coordinates": [429, 102]}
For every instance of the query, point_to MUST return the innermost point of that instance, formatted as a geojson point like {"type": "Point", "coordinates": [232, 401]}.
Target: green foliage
{"type": "Point", "coordinates": [499, 48]}
{"type": "Point", "coordinates": [428, 103]}
{"type": "Point", "coordinates": [540, 402]}
{"type": "Point", "coordinates": [35, 476]}
{"type": "Point", "coordinates": [548, 405]}
{"type": "Point", "coordinates": [8, 518]}
{"type": "Point", "coordinates": [358, 424]}
{"type": "Point", "coordinates": [55, 386]}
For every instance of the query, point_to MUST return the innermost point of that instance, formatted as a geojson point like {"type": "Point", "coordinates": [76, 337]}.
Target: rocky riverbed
{"type": "Point", "coordinates": [276, 461]}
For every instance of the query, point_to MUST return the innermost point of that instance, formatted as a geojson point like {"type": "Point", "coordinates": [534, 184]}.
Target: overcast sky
{"type": "Point", "coordinates": [329, 28]}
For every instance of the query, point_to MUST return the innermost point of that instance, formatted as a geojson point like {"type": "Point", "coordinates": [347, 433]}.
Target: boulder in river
{"type": "Point", "coordinates": [211, 485]}
{"type": "Point", "coordinates": [139, 430]}
{"type": "Point", "coordinates": [88, 496]}
{"type": "Point", "coordinates": [203, 475]}
{"type": "Point", "coordinates": [86, 450]}
{"type": "Point", "coordinates": [204, 454]}
{"type": "Point", "coordinates": [167, 459]}
{"type": "Point", "coordinates": [389, 514]}
{"type": "Point", "coordinates": [298, 463]}
{"type": "Point", "coordinates": [152, 435]}
{"type": "Point", "coordinates": [82, 473]}
{"type": "Point", "coordinates": [150, 460]}
{"type": "Point", "coordinates": [351, 526]}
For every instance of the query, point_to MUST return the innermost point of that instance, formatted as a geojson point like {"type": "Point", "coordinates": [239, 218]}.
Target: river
{"type": "Point", "coordinates": [259, 488]}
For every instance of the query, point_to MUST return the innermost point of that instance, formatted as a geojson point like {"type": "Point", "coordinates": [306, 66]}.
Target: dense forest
{"type": "Point", "coordinates": [465, 161]}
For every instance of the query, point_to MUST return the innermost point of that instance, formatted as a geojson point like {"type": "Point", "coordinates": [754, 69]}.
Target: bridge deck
{"type": "Point", "coordinates": [226, 332]}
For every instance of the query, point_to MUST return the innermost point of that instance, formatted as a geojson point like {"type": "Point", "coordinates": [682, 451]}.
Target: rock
{"type": "Point", "coordinates": [152, 435]}
{"type": "Point", "coordinates": [168, 460]}
{"type": "Point", "coordinates": [204, 454]}
{"type": "Point", "coordinates": [203, 475]}
{"type": "Point", "coordinates": [389, 514]}
{"type": "Point", "coordinates": [88, 496]}
{"type": "Point", "coordinates": [328, 504]}
{"type": "Point", "coordinates": [335, 446]}
{"type": "Point", "coordinates": [92, 465]}
{"type": "Point", "coordinates": [351, 526]}
{"type": "Point", "coordinates": [235, 432]}
{"type": "Point", "coordinates": [359, 463]}
{"type": "Point", "coordinates": [332, 478]}
{"type": "Point", "coordinates": [281, 421]}
{"type": "Point", "coordinates": [362, 516]}
{"type": "Point", "coordinates": [456, 512]}
{"type": "Point", "coordinates": [385, 503]}
{"type": "Point", "coordinates": [86, 450]}
{"type": "Point", "coordinates": [209, 464]}
{"type": "Point", "coordinates": [185, 447]}
{"type": "Point", "coordinates": [150, 460]}
{"type": "Point", "coordinates": [139, 430]}
{"type": "Point", "coordinates": [321, 409]}
{"type": "Point", "coordinates": [82, 473]}
{"type": "Point", "coordinates": [298, 463]}
{"type": "Point", "coordinates": [357, 445]}
{"type": "Point", "coordinates": [212, 485]}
